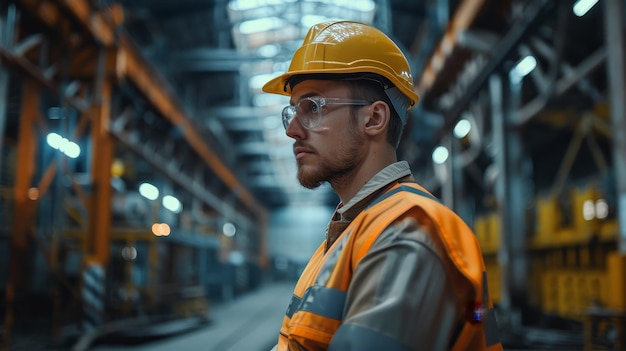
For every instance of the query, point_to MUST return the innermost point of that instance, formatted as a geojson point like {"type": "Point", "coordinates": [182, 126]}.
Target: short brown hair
{"type": "Point", "coordinates": [373, 91]}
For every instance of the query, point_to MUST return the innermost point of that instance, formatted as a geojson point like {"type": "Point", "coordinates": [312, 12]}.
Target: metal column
{"type": "Point", "coordinates": [100, 211]}
{"type": "Point", "coordinates": [7, 24]}
{"type": "Point", "coordinates": [510, 192]}
{"type": "Point", "coordinates": [4, 82]}
{"type": "Point", "coordinates": [25, 204]}
{"type": "Point", "coordinates": [616, 72]}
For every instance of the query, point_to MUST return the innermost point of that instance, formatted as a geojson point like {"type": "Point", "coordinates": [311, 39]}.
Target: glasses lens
{"type": "Point", "coordinates": [289, 113]}
{"type": "Point", "coordinates": [308, 113]}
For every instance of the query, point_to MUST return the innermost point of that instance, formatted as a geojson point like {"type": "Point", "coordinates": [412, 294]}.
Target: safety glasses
{"type": "Point", "coordinates": [309, 110]}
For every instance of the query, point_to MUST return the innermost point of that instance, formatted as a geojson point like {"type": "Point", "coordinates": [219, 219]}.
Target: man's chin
{"type": "Point", "coordinates": [308, 180]}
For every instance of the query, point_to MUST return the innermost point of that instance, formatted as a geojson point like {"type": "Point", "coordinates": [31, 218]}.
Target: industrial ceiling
{"type": "Point", "coordinates": [216, 54]}
{"type": "Point", "coordinates": [210, 58]}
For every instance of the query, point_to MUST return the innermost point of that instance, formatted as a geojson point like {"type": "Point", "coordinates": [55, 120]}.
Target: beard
{"type": "Point", "coordinates": [344, 162]}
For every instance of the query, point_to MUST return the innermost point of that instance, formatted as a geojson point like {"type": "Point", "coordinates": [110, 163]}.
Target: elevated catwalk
{"type": "Point", "coordinates": [249, 322]}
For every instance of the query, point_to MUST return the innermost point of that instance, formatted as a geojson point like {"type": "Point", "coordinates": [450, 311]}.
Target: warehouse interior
{"type": "Point", "coordinates": [145, 176]}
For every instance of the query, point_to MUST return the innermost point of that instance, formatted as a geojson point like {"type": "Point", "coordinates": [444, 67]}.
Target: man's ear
{"type": "Point", "coordinates": [379, 115]}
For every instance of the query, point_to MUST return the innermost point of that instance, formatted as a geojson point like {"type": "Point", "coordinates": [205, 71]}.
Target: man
{"type": "Point", "coordinates": [398, 270]}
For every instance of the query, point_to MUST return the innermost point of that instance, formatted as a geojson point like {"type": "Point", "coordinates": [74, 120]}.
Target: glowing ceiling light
{"type": "Point", "coordinates": [581, 7]}
{"type": "Point", "coordinates": [171, 203]}
{"type": "Point", "coordinates": [440, 155]}
{"type": "Point", "coordinates": [244, 5]}
{"type": "Point", "coordinates": [310, 20]}
{"type": "Point", "coordinates": [149, 191]}
{"type": "Point", "coordinates": [54, 140]}
{"type": "Point", "coordinates": [602, 209]}
{"type": "Point", "coordinates": [259, 80]}
{"type": "Point", "coordinates": [229, 229]}
{"type": "Point", "coordinates": [129, 253]}
{"type": "Point", "coordinates": [523, 68]}
{"type": "Point", "coordinates": [360, 5]}
{"type": "Point", "coordinates": [69, 148]}
{"type": "Point", "coordinates": [161, 229]}
{"type": "Point", "coordinates": [589, 210]}
{"type": "Point", "coordinates": [269, 50]}
{"type": "Point", "coordinates": [462, 128]}
{"type": "Point", "coordinates": [261, 25]}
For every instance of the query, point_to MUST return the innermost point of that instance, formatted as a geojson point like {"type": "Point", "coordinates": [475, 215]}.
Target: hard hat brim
{"type": "Point", "coordinates": [280, 84]}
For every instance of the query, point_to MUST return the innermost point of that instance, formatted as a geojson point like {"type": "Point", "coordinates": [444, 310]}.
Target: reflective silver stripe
{"type": "Point", "coordinates": [329, 264]}
{"type": "Point", "coordinates": [492, 334]}
{"type": "Point", "coordinates": [323, 301]}
{"type": "Point", "coordinates": [297, 303]}
{"type": "Point", "coordinates": [320, 300]}
{"type": "Point", "coordinates": [293, 306]}
{"type": "Point", "coordinates": [354, 337]}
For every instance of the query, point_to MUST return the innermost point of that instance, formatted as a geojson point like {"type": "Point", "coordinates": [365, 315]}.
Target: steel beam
{"type": "Point", "coordinates": [209, 60]}
{"type": "Point", "coordinates": [504, 48]}
{"type": "Point", "coordinates": [133, 67]}
{"type": "Point", "coordinates": [101, 24]}
{"type": "Point", "coordinates": [465, 15]}
{"type": "Point", "coordinates": [130, 65]}
{"type": "Point", "coordinates": [183, 180]}
{"type": "Point", "coordinates": [570, 78]}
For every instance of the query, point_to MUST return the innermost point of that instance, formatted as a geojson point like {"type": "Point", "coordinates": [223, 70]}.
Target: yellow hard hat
{"type": "Point", "coordinates": [344, 47]}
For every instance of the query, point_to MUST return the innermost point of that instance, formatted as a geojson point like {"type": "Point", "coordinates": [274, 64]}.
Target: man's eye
{"type": "Point", "coordinates": [314, 108]}
{"type": "Point", "coordinates": [307, 107]}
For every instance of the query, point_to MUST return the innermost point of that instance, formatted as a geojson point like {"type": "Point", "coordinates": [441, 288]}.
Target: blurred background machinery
{"type": "Point", "coordinates": [145, 177]}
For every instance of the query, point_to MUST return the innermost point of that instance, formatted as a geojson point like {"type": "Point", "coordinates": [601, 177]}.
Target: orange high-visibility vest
{"type": "Point", "coordinates": [315, 311]}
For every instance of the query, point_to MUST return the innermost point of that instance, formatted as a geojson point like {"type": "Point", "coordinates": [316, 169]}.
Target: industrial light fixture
{"type": "Point", "coordinates": [245, 5]}
{"type": "Point", "coordinates": [171, 203]}
{"type": "Point", "coordinates": [462, 128]}
{"type": "Point", "coordinates": [129, 253]}
{"type": "Point", "coordinates": [598, 209]}
{"type": "Point", "coordinates": [581, 7]}
{"type": "Point", "coordinates": [440, 155]}
{"type": "Point", "coordinates": [261, 25]}
{"type": "Point", "coordinates": [149, 191]}
{"type": "Point", "coordinates": [268, 50]}
{"type": "Point", "coordinates": [67, 147]}
{"type": "Point", "coordinates": [229, 229]}
{"type": "Point", "coordinates": [523, 68]}
{"type": "Point", "coordinates": [310, 20]}
{"type": "Point", "coordinates": [161, 229]}
{"type": "Point", "coordinates": [257, 82]}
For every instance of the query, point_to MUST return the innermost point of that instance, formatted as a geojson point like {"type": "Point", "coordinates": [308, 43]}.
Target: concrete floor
{"type": "Point", "coordinates": [250, 322]}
